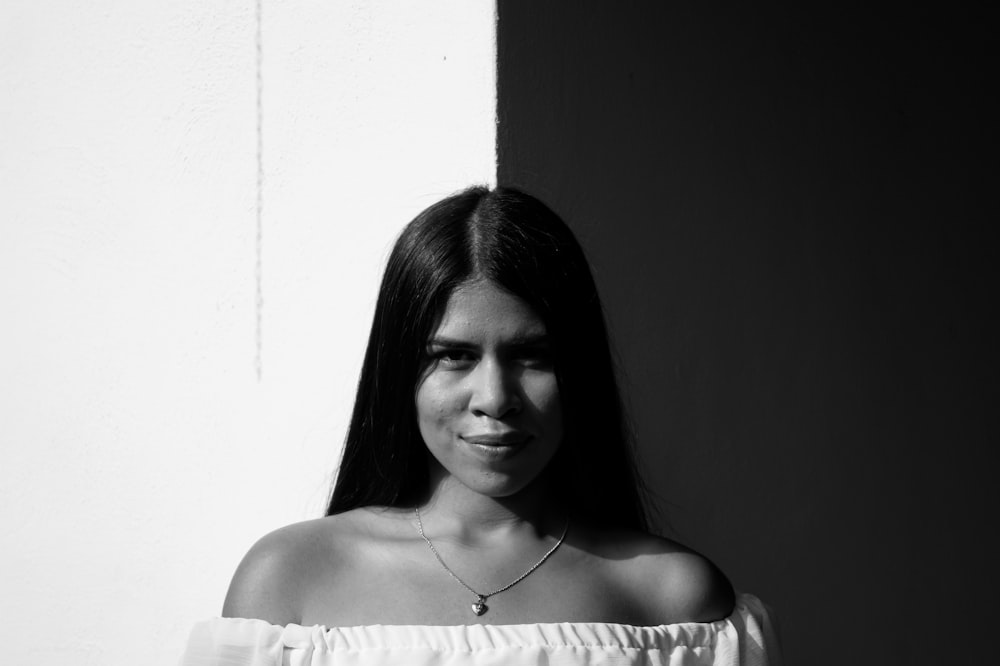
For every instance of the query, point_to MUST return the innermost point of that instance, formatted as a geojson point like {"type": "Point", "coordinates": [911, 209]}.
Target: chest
{"type": "Point", "coordinates": [409, 586]}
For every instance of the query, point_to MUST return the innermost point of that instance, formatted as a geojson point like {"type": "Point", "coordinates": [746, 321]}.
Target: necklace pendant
{"type": "Point", "coordinates": [480, 606]}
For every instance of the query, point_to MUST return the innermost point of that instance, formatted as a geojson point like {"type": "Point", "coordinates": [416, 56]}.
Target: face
{"type": "Point", "coordinates": [488, 404]}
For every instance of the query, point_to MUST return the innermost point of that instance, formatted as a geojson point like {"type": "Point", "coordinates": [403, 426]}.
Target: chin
{"type": "Point", "coordinates": [501, 486]}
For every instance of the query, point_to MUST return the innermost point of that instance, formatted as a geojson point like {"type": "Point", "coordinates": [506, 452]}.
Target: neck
{"type": "Point", "coordinates": [457, 513]}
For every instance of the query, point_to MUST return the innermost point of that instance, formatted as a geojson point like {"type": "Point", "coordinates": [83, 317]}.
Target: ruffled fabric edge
{"type": "Point", "coordinates": [746, 637]}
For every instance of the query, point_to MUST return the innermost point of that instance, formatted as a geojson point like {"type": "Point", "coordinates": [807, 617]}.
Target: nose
{"type": "Point", "coordinates": [494, 392]}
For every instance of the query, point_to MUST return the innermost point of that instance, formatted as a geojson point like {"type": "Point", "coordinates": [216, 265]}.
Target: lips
{"type": "Point", "coordinates": [510, 438]}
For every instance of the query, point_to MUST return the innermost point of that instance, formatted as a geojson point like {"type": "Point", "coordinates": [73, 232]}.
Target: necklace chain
{"type": "Point", "coordinates": [480, 604]}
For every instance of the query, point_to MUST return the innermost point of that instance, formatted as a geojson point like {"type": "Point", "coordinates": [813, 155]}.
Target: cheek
{"type": "Point", "coordinates": [543, 393]}
{"type": "Point", "coordinates": [436, 405]}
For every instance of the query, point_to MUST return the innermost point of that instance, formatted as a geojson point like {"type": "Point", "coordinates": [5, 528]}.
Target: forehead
{"type": "Point", "coordinates": [482, 311]}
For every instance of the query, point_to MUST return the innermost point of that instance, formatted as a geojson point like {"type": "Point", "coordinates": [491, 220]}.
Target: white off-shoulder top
{"type": "Point", "coordinates": [745, 638]}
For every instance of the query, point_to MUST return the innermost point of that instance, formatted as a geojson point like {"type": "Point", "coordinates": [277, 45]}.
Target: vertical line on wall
{"type": "Point", "coordinates": [259, 207]}
{"type": "Point", "coordinates": [496, 93]}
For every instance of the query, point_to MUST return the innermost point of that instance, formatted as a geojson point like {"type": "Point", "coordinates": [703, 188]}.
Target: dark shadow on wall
{"type": "Point", "coordinates": [787, 212]}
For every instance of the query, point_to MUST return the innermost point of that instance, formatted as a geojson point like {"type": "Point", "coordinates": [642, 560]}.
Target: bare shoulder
{"type": "Point", "coordinates": [693, 587]}
{"type": "Point", "coordinates": [273, 577]}
{"type": "Point", "coordinates": [673, 582]}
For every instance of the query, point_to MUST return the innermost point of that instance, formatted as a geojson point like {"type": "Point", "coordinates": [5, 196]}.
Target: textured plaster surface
{"type": "Point", "coordinates": [142, 453]}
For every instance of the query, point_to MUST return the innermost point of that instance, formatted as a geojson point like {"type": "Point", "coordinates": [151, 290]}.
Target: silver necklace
{"type": "Point", "coordinates": [479, 607]}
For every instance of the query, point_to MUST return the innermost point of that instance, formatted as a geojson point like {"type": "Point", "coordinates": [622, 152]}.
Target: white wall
{"type": "Point", "coordinates": [141, 453]}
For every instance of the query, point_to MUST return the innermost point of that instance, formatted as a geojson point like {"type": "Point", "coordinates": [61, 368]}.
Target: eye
{"type": "Point", "coordinates": [455, 359]}
{"type": "Point", "coordinates": [534, 357]}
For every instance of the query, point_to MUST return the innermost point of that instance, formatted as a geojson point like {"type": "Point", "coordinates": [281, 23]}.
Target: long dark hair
{"type": "Point", "coordinates": [515, 241]}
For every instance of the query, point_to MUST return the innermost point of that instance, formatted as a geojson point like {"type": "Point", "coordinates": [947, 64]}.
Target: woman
{"type": "Point", "coordinates": [486, 509]}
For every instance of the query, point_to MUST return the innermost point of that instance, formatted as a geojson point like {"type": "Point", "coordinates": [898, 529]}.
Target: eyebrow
{"type": "Point", "coordinates": [525, 340]}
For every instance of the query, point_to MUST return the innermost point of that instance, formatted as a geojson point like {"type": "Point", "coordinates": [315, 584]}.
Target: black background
{"type": "Point", "coordinates": [788, 212]}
